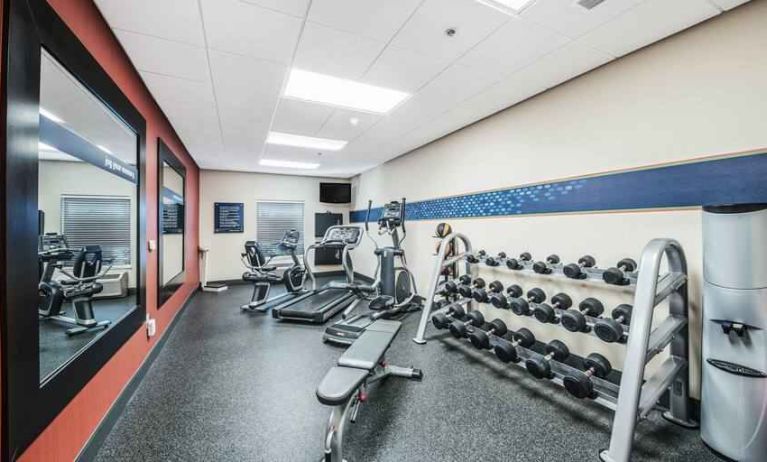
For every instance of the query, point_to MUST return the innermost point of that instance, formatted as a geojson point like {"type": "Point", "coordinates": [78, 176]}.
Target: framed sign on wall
{"type": "Point", "coordinates": [228, 217]}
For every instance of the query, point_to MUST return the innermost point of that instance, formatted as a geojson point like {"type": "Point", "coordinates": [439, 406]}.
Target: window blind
{"type": "Point", "coordinates": [99, 220]}
{"type": "Point", "coordinates": [273, 219]}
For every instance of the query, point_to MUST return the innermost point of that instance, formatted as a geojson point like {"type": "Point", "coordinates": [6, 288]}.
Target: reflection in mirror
{"type": "Point", "coordinates": [172, 224]}
{"type": "Point", "coordinates": [87, 204]}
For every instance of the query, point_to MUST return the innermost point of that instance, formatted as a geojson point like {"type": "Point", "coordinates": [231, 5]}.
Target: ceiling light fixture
{"type": "Point", "coordinates": [45, 147]}
{"type": "Point", "coordinates": [49, 115]}
{"type": "Point", "coordinates": [299, 141]}
{"type": "Point", "coordinates": [326, 89]}
{"type": "Point", "coordinates": [354, 121]}
{"type": "Point", "coordinates": [507, 6]}
{"type": "Point", "coordinates": [288, 164]}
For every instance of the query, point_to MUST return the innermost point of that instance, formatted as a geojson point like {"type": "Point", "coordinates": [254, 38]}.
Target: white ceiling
{"type": "Point", "coordinates": [217, 67]}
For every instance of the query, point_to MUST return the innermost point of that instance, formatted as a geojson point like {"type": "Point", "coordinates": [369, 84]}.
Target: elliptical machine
{"type": "Point", "coordinates": [263, 276]}
{"type": "Point", "coordinates": [396, 293]}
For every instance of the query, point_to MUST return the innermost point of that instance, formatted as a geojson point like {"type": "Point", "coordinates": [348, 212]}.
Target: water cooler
{"type": "Point", "coordinates": [734, 376]}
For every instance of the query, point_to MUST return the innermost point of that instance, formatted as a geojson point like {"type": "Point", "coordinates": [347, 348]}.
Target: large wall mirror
{"type": "Point", "coordinates": [74, 170]}
{"type": "Point", "coordinates": [171, 221]}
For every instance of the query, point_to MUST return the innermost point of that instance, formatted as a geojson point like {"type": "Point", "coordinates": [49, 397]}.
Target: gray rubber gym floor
{"type": "Point", "coordinates": [239, 386]}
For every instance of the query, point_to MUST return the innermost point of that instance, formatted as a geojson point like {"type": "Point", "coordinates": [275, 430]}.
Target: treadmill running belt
{"type": "Point", "coordinates": [317, 308]}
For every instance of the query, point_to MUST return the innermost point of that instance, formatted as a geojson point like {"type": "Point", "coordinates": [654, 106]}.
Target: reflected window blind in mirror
{"type": "Point", "coordinates": [273, 219]}
{"type": "Point", "coordinates": [104, 221]}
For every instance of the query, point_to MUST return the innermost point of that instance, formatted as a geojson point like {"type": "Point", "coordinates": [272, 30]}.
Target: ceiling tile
{"type": "Point", "coordinates": [404, 70]}
{"type": "Point", "coordinates": [513, 46]}
{"type": "Point", "coordinates": [370, 18]}
{"type": "Point", "coordinates": [191, 108]}
{"type": "Point", "coordinates": [247, 29]}
{"type": "Point", "coordinates": [292, 7]}
{"type": "Point", "coordinates": [300, 118]}
{"type": "Point", "coordinates": [573, 20]}
{"type": "Point", "coordinates": [247, 91]}
{"type": "Point", "coordinates": [425, 31]}
{"type": "Point", "coordinates": [340, 127]}
{"type": "Point", "coordinates": [151, 17]}
{"type": "Point", "coordinates": [729, 4]}
{"type": "Point", "coordinates": [164, 56]}
{"type": "Point", "coordinates": [649, 22]}
{"type": "Point", "coordinates": [329, 51]}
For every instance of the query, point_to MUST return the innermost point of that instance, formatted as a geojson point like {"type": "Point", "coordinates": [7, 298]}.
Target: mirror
{"type": "Point", "coordinates": [87, 218]}
{"type": "Point", "coordinates": [171, 221]}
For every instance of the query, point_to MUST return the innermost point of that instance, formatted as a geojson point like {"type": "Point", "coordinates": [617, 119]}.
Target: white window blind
{"type": "Point", "coordinates": [99, 220]}
{"type": "Point", "coordinates": [273, 219]}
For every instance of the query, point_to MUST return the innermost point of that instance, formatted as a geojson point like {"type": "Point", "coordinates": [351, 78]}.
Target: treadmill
{"type": "Point", "coordinates": [320, 304]}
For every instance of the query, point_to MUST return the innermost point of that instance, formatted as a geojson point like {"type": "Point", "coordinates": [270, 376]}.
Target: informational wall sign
{"type": "Point", "coordinates": [172, 212]}
{"type": "Point", "coordinates": [229, 217]}
{"type": "Point", "coordinates": [69, 142]}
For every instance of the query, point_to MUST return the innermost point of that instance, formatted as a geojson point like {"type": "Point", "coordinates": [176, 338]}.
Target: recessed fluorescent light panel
{"type": "Point", "coordinates": [48, 114]}
{"type": "Point", "coordinates": [288, 164]}
{"type": "Point", "coordinates": [326, 89]}
{"type": "Point", "coordinates": [45, 147]}
{"type": "Point", "coordinates": [299, 141]}
{"type": "Point", "coordinates": [507, 6]}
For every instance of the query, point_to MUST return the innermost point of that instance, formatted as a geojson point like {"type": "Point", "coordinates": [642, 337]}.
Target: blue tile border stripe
{"type": "Point", "coordinates": [733, 180]}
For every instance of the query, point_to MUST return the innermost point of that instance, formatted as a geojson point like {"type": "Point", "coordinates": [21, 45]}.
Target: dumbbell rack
{"type": "Point", "coordinates": [636, 395]}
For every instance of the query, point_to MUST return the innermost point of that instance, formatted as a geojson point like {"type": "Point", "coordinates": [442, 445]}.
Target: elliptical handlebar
{"type": "Point", "coordinates": [367, 218]}
{"type": "Point", "coordinates": [402, 219]}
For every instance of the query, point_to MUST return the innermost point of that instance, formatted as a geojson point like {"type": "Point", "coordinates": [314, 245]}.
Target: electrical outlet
{"type": "Point", "coordinates": [151, 326]}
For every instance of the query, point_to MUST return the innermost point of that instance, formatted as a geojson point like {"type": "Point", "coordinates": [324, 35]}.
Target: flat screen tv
{"type": "Point", "coordinates": [335, 193]}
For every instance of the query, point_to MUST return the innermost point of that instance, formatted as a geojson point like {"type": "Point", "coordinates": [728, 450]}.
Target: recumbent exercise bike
{"type": "Point", "coordinates": [79, 287]}
{"type": "Point", "coordinates": [263, 276]}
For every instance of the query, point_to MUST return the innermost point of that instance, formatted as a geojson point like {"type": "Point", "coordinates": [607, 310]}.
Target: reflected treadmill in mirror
{"type": "Point", "coordinates": [87, 202]}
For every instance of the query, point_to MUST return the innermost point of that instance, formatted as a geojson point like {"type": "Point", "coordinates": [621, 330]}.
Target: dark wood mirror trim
{"type": "Point", "coordinates": [165, 155]}
{"type": "Point", "coordinates": [27, 405]}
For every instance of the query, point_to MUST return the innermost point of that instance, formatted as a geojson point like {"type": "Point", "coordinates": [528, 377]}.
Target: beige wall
{"type": "Point", "coordinates": [700, 93]}
{"type": "Point", "coordinates": [248, 188]}
{"type": "Point", "coordinates": [61, 178]}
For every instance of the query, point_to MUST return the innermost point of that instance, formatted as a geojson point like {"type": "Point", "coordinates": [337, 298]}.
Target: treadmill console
{"type": "Point", "coordinates": [341, 236]}
{"type": "Point", "coordinates": [290, 239]}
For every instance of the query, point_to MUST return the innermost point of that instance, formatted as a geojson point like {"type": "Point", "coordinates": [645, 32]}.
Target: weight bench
{"type": "Point", "coordinates": [344, 386]}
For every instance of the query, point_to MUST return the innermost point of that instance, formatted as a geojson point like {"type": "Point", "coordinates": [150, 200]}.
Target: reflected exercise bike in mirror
{"type": "Point", "coordinates": [87, 222]}
{"type": "Point", "coordinates": [171, 182]}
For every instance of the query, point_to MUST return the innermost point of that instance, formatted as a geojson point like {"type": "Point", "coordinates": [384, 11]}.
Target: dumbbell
{"type": "Point", "coordinates": [514, 263]}
{"type": "Point", "coordinates": [500, 300]}
{"type": "Point", "coordinates": [481, 295]}
{"type": "Point", "coordinates": [481, 339]}
{"type": "Point", "coordinates": [495, 261]}
{"type": "Point", "coordinates": [450, 287]}
{"type": "Point", "coordinates": [546, 313]}
{"type": "Point", "coordinates": [460, 329]}
{"type": "Point", "coordinates": [467, 286]}
{"type": "Point", "coordinates": [540, 366]}
{"type": "Point", "coordinates": [475, 258]}
{"type": "Point", "coordinates": [507, 351]}
{"type": "Point", "coordinates": [580, 384]}
{"type": "Point", "coordinates": [611, 330]}
{"type": "Point", "coordinates": [521, 306]}
{"type": "Point", "coordinates": [575, 320]}
{"type": "Point", "coordinates": [575, 270]}
{"type": "Point", "coordinates": [443, 320]}
{"type": "Point", "coordinates": [617, 275]}
{"type": "Point", "coordinates": [542, 267]}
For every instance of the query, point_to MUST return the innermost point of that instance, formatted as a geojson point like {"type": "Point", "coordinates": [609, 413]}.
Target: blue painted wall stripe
{"type": "Point", "coordinates": [733, 180]}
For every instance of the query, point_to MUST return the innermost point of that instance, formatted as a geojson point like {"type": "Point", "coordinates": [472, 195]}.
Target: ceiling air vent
{"type": "Point", "coordinates": [589, 4]}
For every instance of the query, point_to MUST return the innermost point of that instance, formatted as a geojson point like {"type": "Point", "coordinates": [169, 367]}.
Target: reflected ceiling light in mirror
{"type": "Point", "coordinates": [49, 115]}
{"type": "Point", "coordinates": [300, 141]}
{"type": "Point", "coordinates": [326, 89]}
{"type": "Point", "coordinates": [507, 6]}
{"type": "Point", "coordinates": [288, 164]}
{"type": "Point", "coordinates": [45, 147]}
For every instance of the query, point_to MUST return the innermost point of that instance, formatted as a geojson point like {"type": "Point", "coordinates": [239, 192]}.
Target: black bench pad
{"type": "Point", "coordinates": [339, 383]}
{"type": "Point", "coordinates": [366, 352]}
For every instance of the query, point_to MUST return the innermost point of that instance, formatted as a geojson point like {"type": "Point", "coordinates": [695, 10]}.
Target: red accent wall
{"type": "Point", "coordinates": [69, 432]}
